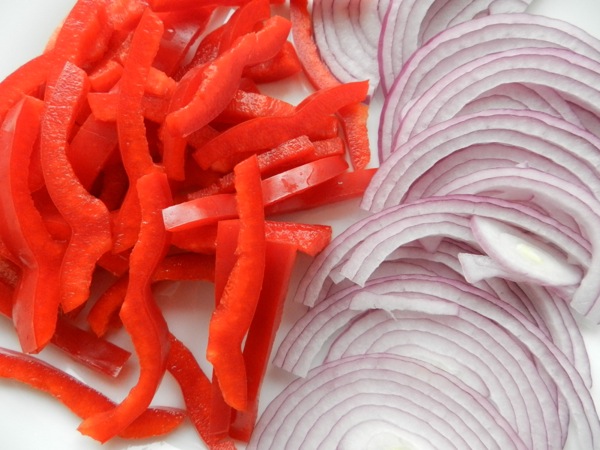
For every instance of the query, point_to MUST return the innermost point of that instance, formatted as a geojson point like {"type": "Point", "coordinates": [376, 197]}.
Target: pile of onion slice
{"type": "Point", "coordinates": [480, 256]}
{"type": "Point", "coordinates": [372, 40]}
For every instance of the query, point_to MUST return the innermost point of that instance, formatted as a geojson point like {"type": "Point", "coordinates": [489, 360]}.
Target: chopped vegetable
{"type": "Point", "coordinates": [101, 138]}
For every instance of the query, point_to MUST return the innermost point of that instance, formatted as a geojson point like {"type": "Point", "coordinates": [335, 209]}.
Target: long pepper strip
{"type": "Point", "coordinates": [22, 229]}
{"type": "Point", "coordinates": [85, 214]}
{"type": "Point", "coordinates": [232, 317]}
{"type": "Point", "coordinates": [140, 315]}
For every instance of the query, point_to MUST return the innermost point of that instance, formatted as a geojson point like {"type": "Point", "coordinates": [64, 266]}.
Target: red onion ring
{"type": "Point", "coordinates": [469, 41]}
{"type": "Point", "coordinates": [346, 403]}
{"type": "Point", "coordinates": [568, 151]}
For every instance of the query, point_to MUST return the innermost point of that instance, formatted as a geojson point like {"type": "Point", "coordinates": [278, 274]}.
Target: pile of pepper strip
{"type": "Point", "coordinates": [140, 144]}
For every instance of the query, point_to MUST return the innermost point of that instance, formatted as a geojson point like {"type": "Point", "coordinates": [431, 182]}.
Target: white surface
{"type": "Point", "coordinates": [32, 421]}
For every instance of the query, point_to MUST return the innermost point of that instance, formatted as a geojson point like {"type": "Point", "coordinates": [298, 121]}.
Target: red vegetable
{"type": "Point", "coordinates": [102, 134]}
{"type": "Point", "coordinates": [139, 313]}
{"type": "Point", "coordinates": [233, 315]}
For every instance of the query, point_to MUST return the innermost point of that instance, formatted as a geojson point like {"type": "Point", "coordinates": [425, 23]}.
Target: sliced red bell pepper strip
{"type": "Point", "coordinates": [140, 315]}
{"type": "Point", "coordinates": [343, 187]}
{"type": "Point", "coordinates": [220, 79]}
{"type": "Point", "coordinates": [258, 135]}
{"type": "Point", "coordinates": [133, 142]}
{"type": "Point", "coordinates": [206, 210]}
{"type": "Point", "coordinates": [306, 238]}
{"type": "Point", "coordinates": [183, 29]}
{"type": "Point", "coordinates": [186, 266]}
{"type": "Point", "coordinates": [85, 348]}
{"type": "Point", "coordinates": [90, 350]}
{"type": "Point", "coordinates": [83, 38]}
{"type": "Point", "coordinates": [85, 214]}
{"type": "Point", "coordinates": [90, 148]}
{"type": "Point", "coordinates": [104, 77]}
{"type": "Point", "coordinates": [302, 32]}
{"type": "Point", "coordinates": [23, 231]}
{"type": "Point", "coordinates": [243, 21]}
{"type": "Point", "coordinates": [232, 317]}
{"type": "Point", "coordinates": [26, 80]}
{"type": "Point", "coordinates": [81, 399]}
{"type": "Point", "coordinates": [281, 66]}
{"type": "Point", "coordinates": [104, 313]}
{"type": "Point", "coordinates": [249, 105]}
{"type": "Point", "coordinates": [283, 157]}
{"type": "Point", "coordinates": [196, 390]}
{"type": "Point", "coordinates": [353, 117]}
{"type": "Point", "coordinates": [354, 123]}
{"type": "Point", "coordinates": [329, 147]}
{"type": "Point", "coordinates": [279, 265]}
{"type": "Point", "coordinates": [225, 259]}
{"type": "Point", "coordinates": [199, 240]}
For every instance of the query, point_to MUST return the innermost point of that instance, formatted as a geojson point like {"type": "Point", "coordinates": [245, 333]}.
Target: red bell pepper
{"type": "Point", "coordinates": [244, 20]}
{"type": "Point", "coordinates": [140, 315]}
{"type": "Point", "coordinates": [85, 348]}
{"type": "Point", "coordinates": [302, 32]}
{"type": "Point", "coordinates": [81, 399]}
{"type": "Point", "coordinates": [258, 135]}
{"type": "Point", "coordinates": [85, 214]}
{"type": "Point", "coordinates": [206, 210]}
{"type": "Point", "coordinates": [281, 66]}
{"type": "Point", "coordinates": [249, 105]}
{"type": "Point", "coordinates": [82, 39]}
{"type": "Point", "coordinates": [285, 156]}
{"type": "Point", "coordinates": [133, 142]}
{"type": "Point", "coordinates": [90, 148]}
{"type": "Point", "coordinates": [105, 311]}
{"type": "Point", "coordinates": [23, 231]}
{"type": "Point", "coordinates": [343, 187]}
{"type": "Point", "coordinates": [232, 317]}
{"type": "Point", "coordinates": [26, 80]}
{"type": "Point", "coordinates": [196, 389]}
{"type": "Point", "coordinates": [353, 117]}
{"type": "Point", "coordinates": [223, 75]}
{"type": "Point", "coordinates": [306, 238]}
{"type": "Point", "coordinates": [183, 29]}
{"type": "Point", "coordinates": [279, 264]}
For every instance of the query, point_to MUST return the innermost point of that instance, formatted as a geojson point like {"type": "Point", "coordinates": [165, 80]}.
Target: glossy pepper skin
{"type": "Point", "coordinates": [80, 398]}
{"type": "Point", "coordinates": [140, 315]}
{"type": "Point", "coordinates": [85, 214]}
{"type": "Point", "coordinates": [22, 228]}
{"type": "Point", "coordinates": [233, 315]}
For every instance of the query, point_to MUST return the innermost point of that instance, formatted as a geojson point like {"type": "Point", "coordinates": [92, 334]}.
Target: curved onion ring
{"type": "Point", "coordinates": [572, 150]}
{"type": "Point", "coordinates": [554, 194]}
{"type": "Point", "coordinates": [484, 362]}
{"type": "Point", "coordinates": [433, 295]}
{"type": "Point", "coordinates": [350, 402]}
{"type": "Point", "coordinates": [573, 76]}
{"type": "Point", "coordinates": [402, 29]}
{"type": "Point", "coordinates": [346, 33]}
{"type": "Point", "coordinates": [467, 42]}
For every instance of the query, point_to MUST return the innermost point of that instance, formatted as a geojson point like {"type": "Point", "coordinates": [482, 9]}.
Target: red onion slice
{"type": "Point", "coordinates": [346, 33]}
{"type": "Point", "coordinates": [554, 194]}
{"type": "Point", "coordinates": [523, 254]}
{"type": "Point", "coordinates": [366, 234]}
{"type": "Point", "coordinates": [565, 146]}
{"type": "Point", "coordinates": [350, 402]}
{"type": "Point", "coordinates": [403, 24]}
{"type": "Point", "coordinates": [571, 75]}
{"type": "Point", "coordinates": [497, 367]}
{"type": "Point", "coordinates": [440, 296]}
{"type": "Point", "coordinates": [467, 42]}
